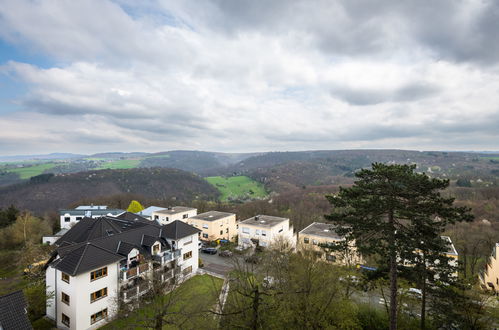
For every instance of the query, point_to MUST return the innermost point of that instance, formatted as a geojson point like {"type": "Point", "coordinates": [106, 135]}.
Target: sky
{"type": "Point", "coordinates": [87, 76]}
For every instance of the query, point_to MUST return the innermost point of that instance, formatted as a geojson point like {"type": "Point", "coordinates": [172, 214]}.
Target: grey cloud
{"type": "Point", "coordinates": [369, 96]}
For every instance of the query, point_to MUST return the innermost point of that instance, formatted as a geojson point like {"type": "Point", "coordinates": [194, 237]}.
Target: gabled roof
{"type": "Point", "coordinates": [148, 240]}
{"type": "Point", "coordinates": [13, 314]}
{"type": "Point", "coordinates": [178, 229]}
{"type": "Point", "coordinates": [124, 248]}
{"type": "Point", "coordinates": [132, 217]}
{"type": "Point", "coordinates": [86, 258]}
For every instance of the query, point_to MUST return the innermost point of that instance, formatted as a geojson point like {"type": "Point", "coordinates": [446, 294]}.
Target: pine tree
{"type": "Point", "coordinates": [384, 208]}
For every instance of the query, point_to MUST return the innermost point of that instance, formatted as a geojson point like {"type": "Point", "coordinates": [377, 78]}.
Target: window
{"type": "Point", "coordinates": [205, 226]}
{"type": "Point", "coordinates": [188, 255]}
{"type": "Point", "coordinates": [65, 298]}
{"type": "Point", "coordinates": [98, 316]}
{"type": "Point", "coordinates": [227, 230]}
{"type": "Point", "coordinates": [65, 277]}
{"type": "Point", "coordinates": [65, 320]}
{"type": "Point", "coordinates": [280, 230]}
{"type": "Point", "coordinates": [96, 274]}
{"type": "Point", "coordinates": [156, 217]}
{"type": "Point", "coordinates": [155, 248]}
{"type": "Point", "coordinates": [205, 235]}
{"type": "Point", "coordinates": [187, 270]}
{"type": "Point", "coordinates": [306, 240]}
{"type": "Point", "coordinates": [67, 219]}
{"type": "Point", "coordinates": [167, 219]}
{"type": "Point", "coordinates": [221, 232]}
{"type": "Point", "coordinates": [79, 218]}
{"type": "Point", "coordinates": [102, 293]}
{"type": "Point", "coordinates": [264, 233]}
{"type": "Point", "coordinates": [185, 216]}
{"type": "Point", "coordinates": [246, 230]}
{"type": "Point", "coordinates": [257, 232]}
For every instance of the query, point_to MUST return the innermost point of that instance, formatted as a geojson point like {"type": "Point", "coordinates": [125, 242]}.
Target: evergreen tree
{"type": "Point", "coordinates": [385, 207]}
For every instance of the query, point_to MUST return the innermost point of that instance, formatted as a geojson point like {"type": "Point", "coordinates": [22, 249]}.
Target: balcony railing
{"type": "Point", "coordinates": [133, 272]}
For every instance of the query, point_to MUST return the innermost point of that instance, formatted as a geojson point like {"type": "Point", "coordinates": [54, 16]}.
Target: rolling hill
{"type": "Point", "coordinates": [49, 193]}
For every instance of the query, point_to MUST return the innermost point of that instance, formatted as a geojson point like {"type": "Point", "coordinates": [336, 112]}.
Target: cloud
{"type": "Point", "coordinates": [252, 75]}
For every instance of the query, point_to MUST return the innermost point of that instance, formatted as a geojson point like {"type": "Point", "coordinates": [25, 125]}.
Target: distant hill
{"type": "Point", "coordinates": [280, 171]}
{"type": "Point", "coordinates": [47, 192]}
{"type": "Point", "coordinates": [20, 158]}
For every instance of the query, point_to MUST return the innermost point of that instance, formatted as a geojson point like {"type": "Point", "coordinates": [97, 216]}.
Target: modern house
{"type": "Point", "coordinates": [71, 216]}
{"type": "Point", "coordinates": [317, 235]}
{"type": "Point", "coordinates": [174, 213]}
{"type": "Point", "coordinates": [264, 230]}
{"type": "Point", "coordinates": [214, 225]}
{"type": "Point", "coordinates": [147, 212]}
{"type": "Point", "coordinates": [100, 262]}
{"type": "Point", "coordinates": [13, 312]}
{"type": "Point", "coordinates": [489, 277]}
{"type": "Point", "coordinates": [55, 237]}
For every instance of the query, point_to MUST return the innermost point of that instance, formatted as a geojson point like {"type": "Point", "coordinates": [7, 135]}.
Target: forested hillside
{"type": "Point", "coordinates": [48, 192]}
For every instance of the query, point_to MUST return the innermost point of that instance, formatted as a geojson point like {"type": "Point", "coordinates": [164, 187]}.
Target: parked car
{"type": "Point", "coordinates": [225, 253]}
{"type": "Point", "coordinates": [209, 250]}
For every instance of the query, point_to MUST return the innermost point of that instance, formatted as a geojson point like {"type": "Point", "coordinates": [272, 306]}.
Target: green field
{"type": "Point", "coordinates": [237, 187]}
{"type": "Point", "coordinates": [194, 297]}
{"type": "Point", "coordinates": [120, 164]}
{"type": "Point", "coordinates": [29, 171]}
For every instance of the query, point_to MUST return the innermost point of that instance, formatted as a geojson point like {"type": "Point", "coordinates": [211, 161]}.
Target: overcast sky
{"type": "Point", "coordinates": [89, 76]}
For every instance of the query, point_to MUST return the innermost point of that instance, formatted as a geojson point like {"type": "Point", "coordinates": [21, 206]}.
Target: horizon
{"type": "Point", "coordinates": [253, 76]}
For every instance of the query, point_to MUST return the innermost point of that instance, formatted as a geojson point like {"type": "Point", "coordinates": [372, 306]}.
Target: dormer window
{"type": "Point", "coordinates": [156, 248]}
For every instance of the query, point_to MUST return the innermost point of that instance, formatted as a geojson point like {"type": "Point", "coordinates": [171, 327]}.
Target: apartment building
{"type": "Point", "coordinates": [214, 225]}
{"type": "Point", "coordinates": [489, 277]}
{"type": "Point", "coordinates": [101, 261]}
{"type": "Point", "coordinates": [70, 217]}
{"type": "Point", "coordinates": [316, 234]}
{"type": "Point", "coordinates": [263, 230]}
{"type": "Point", "coordinates": [170, 214]}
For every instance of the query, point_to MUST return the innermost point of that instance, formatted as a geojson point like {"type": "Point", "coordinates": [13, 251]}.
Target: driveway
{"type": "Point", "coordinates": [216, 264]}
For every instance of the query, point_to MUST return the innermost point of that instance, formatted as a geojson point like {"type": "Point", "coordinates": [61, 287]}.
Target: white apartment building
{"type": "Point", "coordinates": [103, 260]}
{"type": "Point", "coordinates": [69, 217]}
{"type": "Point", "coordinates": [214, 225]}
{"type": "Point", "coordinates": [174, 213]}
{"type": "Point", "coordinates": [263, 230]}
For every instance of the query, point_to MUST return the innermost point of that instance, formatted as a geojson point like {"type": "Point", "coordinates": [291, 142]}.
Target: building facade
{"type": "Point", "coordinates": [214, 225]}
{"type": "Point", "coordinates": [317, 236]}
{"type": "Point", "coordinates": [100, 262]}
{"type": "Point", "coordinates": [70, 217]}
{"type": "Point", "coordinates": [489, 277]}
{"type": "Point", "coordinates": [265, 230]}
{"type": "Point", "coordinates": [170, 214]}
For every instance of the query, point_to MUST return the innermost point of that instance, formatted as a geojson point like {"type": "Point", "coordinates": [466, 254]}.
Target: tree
{"type": "Point", "coordinates": [8, 216]}
{"type": "Point", "coordinates": [379, 210]}
{"type": "Point", "coordinates": [135, 207]}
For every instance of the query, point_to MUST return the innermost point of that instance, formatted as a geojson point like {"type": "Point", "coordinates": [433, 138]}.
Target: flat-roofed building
{"type": "Point", "coordinates": [70, 217]}
{"type": "Point", "coordinates": [318, 235]}
{"type": "Point", "coordinates": [214, 225]}
{"type": "Point", "coordinates": [170, 214]}
{"type": "Point", "coordinates": [264, 230]}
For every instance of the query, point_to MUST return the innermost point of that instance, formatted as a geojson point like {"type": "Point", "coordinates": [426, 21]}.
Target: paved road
{"type": "Point", "coordinates": [216, 264]}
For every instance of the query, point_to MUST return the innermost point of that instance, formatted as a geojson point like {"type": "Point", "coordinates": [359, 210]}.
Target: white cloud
{"type": "Point", "coordinates": [166, 76]}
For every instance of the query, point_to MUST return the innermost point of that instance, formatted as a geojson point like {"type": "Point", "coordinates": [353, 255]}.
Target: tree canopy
{"type": "Point", "coordinates": [135, 207]}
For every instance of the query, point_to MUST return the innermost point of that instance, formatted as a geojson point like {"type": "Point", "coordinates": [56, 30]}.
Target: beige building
{"type": "Point", "coordinates": [489, 277]}
{"type": "Point", "coordinates": [214, 225]}
{"type": "Point", "coordinates": [263, 230]}
{"type": "Point", "coordinates": [317, 233]}
{"type": "Point", "coordinates": [170, 214]}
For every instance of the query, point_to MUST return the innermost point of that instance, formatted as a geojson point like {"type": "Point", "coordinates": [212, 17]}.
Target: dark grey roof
{"type": "Point", "coordinates": [264, 221]}
{"type": "Point", "coordinates": [90, 228]}
{"type": "Point", "coordinates": [175, 210]}
{"type": "Point", "coordinates": [13, 314]}
{"type": "Point", "coordinates": [86, 258]}
{"type": "Point", "coordinates": [80, 257]}
{"type": "Point", "coordinates": [178, 229]}
{"type": "Point", "coordinates": [132, 217]}
{"type": "Point", "coordinates": [321, 229]}
{"type": "Point", "coordinates": [212, 215]}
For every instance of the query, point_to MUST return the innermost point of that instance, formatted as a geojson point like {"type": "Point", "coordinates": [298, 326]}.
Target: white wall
{"type": "Point", "coordinates": [272, 234]}
{"type": "Point", "coordinates": [164, 219]}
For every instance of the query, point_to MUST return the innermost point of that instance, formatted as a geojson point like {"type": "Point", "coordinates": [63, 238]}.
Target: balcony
{"type": "Point", "coordinates": [167, 256]}
{"type": "Point", "coordinates": [127, 274]}
{"type": "Point", "coordinates": [134, 291]}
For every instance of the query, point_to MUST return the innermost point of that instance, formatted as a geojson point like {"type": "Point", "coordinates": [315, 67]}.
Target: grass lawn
{"type": "Point", "coordinates": [120, 164]}
{"type": "Point", "coordinates": [28, 172]}
{"type": "Point", "coordinates": [197, 293]}
{"type": "Point", "coordinates": [237, 186]}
